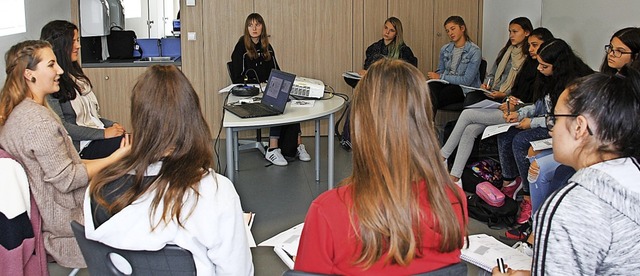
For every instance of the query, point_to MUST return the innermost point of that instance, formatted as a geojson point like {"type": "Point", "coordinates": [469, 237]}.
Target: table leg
{"type": "Point", "coordinates": [317, 150]}
{"type": "Point", "coordinates": [229, 152]}
{"type": "Point", "coordinates": [235, 151]}
{"type": "Point", "coordinates": [330, 141]}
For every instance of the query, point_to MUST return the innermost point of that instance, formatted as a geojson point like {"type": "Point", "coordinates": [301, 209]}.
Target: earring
{"type": "Point", "coordinates": [33, 79]}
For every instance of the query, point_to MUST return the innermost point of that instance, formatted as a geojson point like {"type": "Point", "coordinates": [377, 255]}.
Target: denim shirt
{"type": "Point", "coordinates": [467, 73]}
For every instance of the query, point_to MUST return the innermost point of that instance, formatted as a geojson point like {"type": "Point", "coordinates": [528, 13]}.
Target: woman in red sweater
{"type": "Point", "coordinates": [398, 213]}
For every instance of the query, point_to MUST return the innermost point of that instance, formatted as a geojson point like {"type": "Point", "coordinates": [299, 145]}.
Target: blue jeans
{"type": "Point", "coordinates": [540, 186]}
{"type": "Point", "coordinates": [513, 148]}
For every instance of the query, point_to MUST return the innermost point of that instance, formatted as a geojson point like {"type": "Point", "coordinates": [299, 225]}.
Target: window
{"type": "Point", "coordinates": [12, 17]}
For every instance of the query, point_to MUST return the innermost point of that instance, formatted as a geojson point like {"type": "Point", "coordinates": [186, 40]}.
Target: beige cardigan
{"type": "Point", "coordinates": [57, 176]}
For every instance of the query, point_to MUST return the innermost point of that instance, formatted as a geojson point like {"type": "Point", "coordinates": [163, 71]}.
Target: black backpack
{"type": "Point", "coordinates": [495, 217]}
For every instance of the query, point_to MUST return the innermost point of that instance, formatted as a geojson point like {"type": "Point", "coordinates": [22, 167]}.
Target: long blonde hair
{"type": "Point", "coordinates": [169, 127]}
{"type": "Point", "coordinates": [398, 42]}
{"type": "Point", "coordinates": [20, 57]}
{"type": "Point", "coordinates": [391, 105]}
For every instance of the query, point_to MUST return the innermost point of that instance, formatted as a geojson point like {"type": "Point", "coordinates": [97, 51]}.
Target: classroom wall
{"type": "Point", "coordinates": [587, 25]}
{"type": "Point", "coordinates": [38, 13]}
{"type": "Point", "coordinates": [497, 14]}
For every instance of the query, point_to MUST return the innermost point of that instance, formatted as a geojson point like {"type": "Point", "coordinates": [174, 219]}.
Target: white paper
{"type": "Point", "coordinates": [302, 103]}
{"type": "Point", "coordinates": [476, 88]}
{"type": "Point", "coordinates": [289, 236]}
{"type": "Point", "coordinates": [497, 129]}
{"type": "Point", "coordinates": [484, 250]}
{"type": "Point", "coordinates": [486, 104]}
{"type": "Point", "coordinates": [352, 75]}
{"type": "Point", "coordinates": [248, 222]}
{"type": "Point", "coordinates": [541, 144]}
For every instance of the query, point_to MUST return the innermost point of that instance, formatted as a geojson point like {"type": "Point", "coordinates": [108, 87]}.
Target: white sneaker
{"type": "Point", "coordinates": [523, 247]}
{"type": "Point", "coordinates": [303, 155]}
{"type": "Point", "coordinates": [275, 156]}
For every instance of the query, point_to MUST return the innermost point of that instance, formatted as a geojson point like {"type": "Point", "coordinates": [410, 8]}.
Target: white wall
{"type": "Point", "coordinates": [587, 25]}
{"type": "Point", "coordinates": [38, 13]}
{"type": "Point", "coordinates": [497, 14]}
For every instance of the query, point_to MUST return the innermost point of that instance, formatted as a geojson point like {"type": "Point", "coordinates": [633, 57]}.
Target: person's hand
{"type": "Point", "coordinates": [496, 95]}
{"type": "Point", "coordinates": [503, 107]}
{"type": "Point", "coordinates": [125, 147]}
{"type": "Point", "coordinates": [510, 117]}
{"type": "Point", "coordinates": [510, 272]}
{"type": "Point", "coordinates": [433, 75]}
{"type": "Point", "coordinates": [113, 131]}
{"type": "Point", "coordinates": [524, 124]}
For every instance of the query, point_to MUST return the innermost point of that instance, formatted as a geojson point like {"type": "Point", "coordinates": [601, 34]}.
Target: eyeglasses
{"type": "Point", "coordinates": [550, 120]}
{"type": "Point", "coordinates": [616, 53]}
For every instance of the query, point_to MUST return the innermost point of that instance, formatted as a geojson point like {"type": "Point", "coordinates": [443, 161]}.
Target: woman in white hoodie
{"type": "Point", "coordinates": [164, 191]}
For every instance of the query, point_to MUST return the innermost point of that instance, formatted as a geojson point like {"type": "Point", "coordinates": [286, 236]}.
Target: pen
{"type": "Point", "coordinates": [508, 107]}
{"type": "Point", "coordinates": [501, 265]}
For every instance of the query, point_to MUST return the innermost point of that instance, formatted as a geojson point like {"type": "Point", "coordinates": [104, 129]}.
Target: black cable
{"type": "Point", "coordinates": [216, 144]}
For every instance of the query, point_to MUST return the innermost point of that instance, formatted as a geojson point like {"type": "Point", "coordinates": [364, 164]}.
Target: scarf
{"type": "Point", "coordinates": [85, 106]}
{"type": "Point", "coordinates": [513, 54]}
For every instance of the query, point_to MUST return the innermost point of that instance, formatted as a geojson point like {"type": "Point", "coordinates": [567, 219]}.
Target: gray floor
{"type": "Point", "coordinates": [280, 197]}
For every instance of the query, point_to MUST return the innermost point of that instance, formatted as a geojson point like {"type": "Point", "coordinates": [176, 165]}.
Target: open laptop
{"type": "Point", "coordinates": [274, 98]}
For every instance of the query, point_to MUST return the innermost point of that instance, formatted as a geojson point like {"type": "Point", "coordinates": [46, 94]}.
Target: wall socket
{"type": "Point", "coordinates": [191, 35]}
{"type": "Point", "coordinates": [191, 3]}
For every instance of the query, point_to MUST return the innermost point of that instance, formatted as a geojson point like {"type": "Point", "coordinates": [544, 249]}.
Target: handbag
{"type": "Point", "coordinates": [122, 44]}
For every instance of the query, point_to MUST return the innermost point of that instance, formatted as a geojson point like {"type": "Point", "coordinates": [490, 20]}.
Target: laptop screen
{"type": "Point", "coordinates": [278, 88]}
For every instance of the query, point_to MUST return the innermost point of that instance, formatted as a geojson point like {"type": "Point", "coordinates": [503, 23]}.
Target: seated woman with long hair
{"type": "Point", "coordinates": [164, 191]}
{"type": "Point", "coordinates": [398, 213]}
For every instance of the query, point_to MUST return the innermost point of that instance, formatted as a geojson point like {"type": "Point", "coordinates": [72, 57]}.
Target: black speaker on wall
{"type": "Point", "coordinates": [91, 50]}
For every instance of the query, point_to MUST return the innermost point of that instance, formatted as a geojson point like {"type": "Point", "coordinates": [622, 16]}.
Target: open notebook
{"type": "Point", "coordinates": [484, 250]}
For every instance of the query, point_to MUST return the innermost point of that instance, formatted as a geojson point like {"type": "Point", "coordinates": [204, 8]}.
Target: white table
{"type": "Point", "coordinates": [322, 109]}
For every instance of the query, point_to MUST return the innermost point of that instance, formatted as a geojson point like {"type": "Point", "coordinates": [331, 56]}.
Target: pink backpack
{"type": "Point", "coordinates": [490, 194]}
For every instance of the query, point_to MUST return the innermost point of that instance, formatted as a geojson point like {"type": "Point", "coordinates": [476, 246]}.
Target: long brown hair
{"type": "Point", "coordinates": [169, 127]}
{"type": "Point", "coordinates": [20, 57]}
{"type": "Point", "coordinates": [392, 104]}
{"type": "Point", "coordinates": [264, 37]}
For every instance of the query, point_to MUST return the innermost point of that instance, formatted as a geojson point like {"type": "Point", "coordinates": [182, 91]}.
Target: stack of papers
{"type": "Point", "coordinates": [286, 243]}
{"type": "Point", "coordinates": [351, 75]}
{"type": "Point", "coordinates": [484, 250]}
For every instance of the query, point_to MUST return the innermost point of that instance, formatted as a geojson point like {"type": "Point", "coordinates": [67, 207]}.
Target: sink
{"type": "Point", "coordinates": [157, 59]}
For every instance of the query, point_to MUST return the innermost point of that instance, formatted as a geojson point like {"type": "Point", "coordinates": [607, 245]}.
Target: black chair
{"type": "Point", "coordinates": [171, 260]}
{"type": "Point", "coordinates": [452, 270]}
{"type": "Point", "coordinates": [244, 145]}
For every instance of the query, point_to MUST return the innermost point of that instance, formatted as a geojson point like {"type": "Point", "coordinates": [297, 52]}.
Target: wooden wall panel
{"type": "Point", "coordinates": [223, 24]}
{"type": "Point", "coordinates": [192, 52]}
{"type": "Point", "coordinates": [311, 38]}
{"type": "Point", "coordinates": [467, 9]}
{"type": "Point", "coordinates": [417, 21]}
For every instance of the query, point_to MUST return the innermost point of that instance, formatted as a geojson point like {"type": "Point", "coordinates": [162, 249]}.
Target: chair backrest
{"type": "Point", "coordinates": [229, 70]}
{"type": "Point", "coordinates": [100, 258]}
{"type": "Point", "coordinates": [452, 270]}
{"type": "Point", "coordinates": [482, 69]}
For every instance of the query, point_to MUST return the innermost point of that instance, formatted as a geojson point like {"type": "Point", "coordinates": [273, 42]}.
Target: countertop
{"type": "Point", "coordinates": [128, 63]}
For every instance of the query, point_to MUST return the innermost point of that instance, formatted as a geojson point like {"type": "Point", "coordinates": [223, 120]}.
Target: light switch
{"type": "Point", "coordinates": [191, 35]}
{"type": "Point", "coordinates": [191, 2]}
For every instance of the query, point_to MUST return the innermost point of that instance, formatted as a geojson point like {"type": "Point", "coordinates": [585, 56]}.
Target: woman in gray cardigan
{"type": "Point", "coordinates": [35, 137]}
{"type": "Point", "coordinates": [75, 103]}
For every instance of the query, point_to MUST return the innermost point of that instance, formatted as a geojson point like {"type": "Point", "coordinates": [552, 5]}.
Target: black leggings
{"type": "Point", "coordinates": [443, 94]}
{"type": "Point", "coordinates": [101, 148]}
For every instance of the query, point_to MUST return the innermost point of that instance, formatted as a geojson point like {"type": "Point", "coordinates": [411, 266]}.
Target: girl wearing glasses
{"type": "Point", "coordinates": [623, 48]}
{"type": "Point", "coordinates": [558, 65]}
{"type": "Point", "coordinates": [590, 226]}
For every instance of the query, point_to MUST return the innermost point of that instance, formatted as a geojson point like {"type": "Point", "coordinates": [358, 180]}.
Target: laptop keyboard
{"type": "Point", "coordinates": [257, 110]}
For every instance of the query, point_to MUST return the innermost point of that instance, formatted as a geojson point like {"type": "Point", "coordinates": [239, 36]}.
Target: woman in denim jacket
{"type": "Point", "coordinates": [458, 65]}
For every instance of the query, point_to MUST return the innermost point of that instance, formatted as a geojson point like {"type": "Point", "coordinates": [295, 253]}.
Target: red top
{"type": "Point", "coordinates": [328, 243]}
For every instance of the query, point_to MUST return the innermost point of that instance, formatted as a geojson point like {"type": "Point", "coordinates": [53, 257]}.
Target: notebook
{"type": "Point", "coordinates": [484, 250]}
{"type": "Point", "coordinates": [274, 98]}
